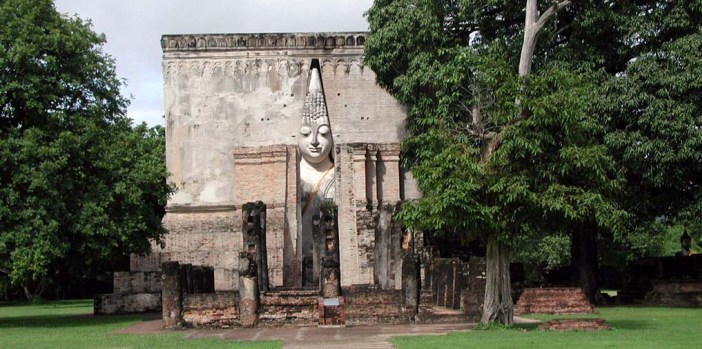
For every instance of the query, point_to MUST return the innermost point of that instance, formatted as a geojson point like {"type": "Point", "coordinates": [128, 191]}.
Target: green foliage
{"type": "Point", "coordinates": [548, 171]}
{"type": "Point", "coordinates": [79, 186]}
{"type": "Point", "coordinates": [548, 251]}
{"type": "Point", "coordinates": [654, 114]}
{"type": "Point", "coordinates": [611, 131]}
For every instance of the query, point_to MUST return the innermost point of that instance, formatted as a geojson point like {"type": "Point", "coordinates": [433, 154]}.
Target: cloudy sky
{"type": "Point", "coordinates": [134, 28]}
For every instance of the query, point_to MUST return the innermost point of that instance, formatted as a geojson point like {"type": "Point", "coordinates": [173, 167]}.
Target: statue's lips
{"type": "Point", "coordinates": [315, 150]}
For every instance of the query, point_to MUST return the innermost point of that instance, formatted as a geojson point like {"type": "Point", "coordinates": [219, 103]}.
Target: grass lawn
{"type": "Point", "coordinates": [70, 324]}
{"type": "Point", "coordinates": [639, 328]}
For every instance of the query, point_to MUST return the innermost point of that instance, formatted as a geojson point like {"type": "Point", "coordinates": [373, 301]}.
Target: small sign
{"type": "Point", "coordinates": [328, 302]}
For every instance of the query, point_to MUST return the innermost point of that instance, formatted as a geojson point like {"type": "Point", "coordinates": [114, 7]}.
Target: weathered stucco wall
{"type": "Point", "coordinates": [234, 90]}
{"type": "Point", "coordinates": [233, 106]}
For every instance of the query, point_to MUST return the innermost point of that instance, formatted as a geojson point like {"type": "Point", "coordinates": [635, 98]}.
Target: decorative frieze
{"type": "Point", "coordinates": [214, 68]}
{"type": "Point", "coordinates": [247, 42]}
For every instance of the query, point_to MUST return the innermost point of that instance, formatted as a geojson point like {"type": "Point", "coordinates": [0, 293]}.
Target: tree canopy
{"type": "Point", "coordinates": [79, 186]}
{"type": "Point", "coordinates": [602, 137]}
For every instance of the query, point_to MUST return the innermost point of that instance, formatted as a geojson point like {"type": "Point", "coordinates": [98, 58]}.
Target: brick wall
{"type": "Point", "coordinates": [205, 238]}
{"type": "Point", "coordinates": [211, 309]}
{"type": "Point", "coordinates": [269, 174]}
{"type": "Point", "coordinates": [367, 305]}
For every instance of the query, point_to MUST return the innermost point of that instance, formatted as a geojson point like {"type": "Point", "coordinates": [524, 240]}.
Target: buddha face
{"type": "Point", "coordinates": [315, 142]}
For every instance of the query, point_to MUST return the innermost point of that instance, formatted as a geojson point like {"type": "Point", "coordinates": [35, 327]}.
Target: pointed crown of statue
{"type": "Point", "coordinates": [685, 235]}
{"type": "Point", "coordinates": [314, 111]}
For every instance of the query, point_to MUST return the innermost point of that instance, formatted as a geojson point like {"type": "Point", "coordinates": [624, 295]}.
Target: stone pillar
{"type": "Point", "coordinates": [171, 295]}
{"type": "Point", "coordinates": [254, 231]}
{"type": "Point", "coordinates": [208, 280]}
{"type": "Point", "coordinates": [197, 277]}
{"type": "Point", "coordinates": [188, 287]}
{"type": "Point", "coordinates": [328, 226]}
{"type": "Point", "coordinates": [317, 249]}
{"type": "Point", "coordinates": [248, 291]}
{"type": "Point", "coordinates": [410, 276]}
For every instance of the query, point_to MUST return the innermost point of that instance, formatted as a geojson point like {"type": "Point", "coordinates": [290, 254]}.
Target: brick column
{"type": "Point", "coordinates": [359, 174]}
{"type": "Point", "coordinates": [345, 192]}
{"type": "Point", "coordinates": [371, 174]}
{"type": "Point", "coordinates": [171, 295]}
{"type": "Point", "coordinates": [389, 162]}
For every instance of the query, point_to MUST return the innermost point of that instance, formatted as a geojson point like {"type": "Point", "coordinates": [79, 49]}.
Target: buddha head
{"type": "Point", "coordinates": [315, 140]}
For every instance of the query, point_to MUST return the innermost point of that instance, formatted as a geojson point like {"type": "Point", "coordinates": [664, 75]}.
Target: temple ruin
{"type": "Point", "coordinates": [285, 154]}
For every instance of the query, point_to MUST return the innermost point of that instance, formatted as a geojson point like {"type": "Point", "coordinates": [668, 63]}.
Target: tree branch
{"type": "Point", "coordinates": [532, 26]}
{"type": "Point", "coordinates": [550, 12]}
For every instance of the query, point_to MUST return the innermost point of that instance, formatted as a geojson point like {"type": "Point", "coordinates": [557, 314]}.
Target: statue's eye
{"type": "Point", "coordinates": [305, 131]}
{"type": "Point", "coordinates": [323, 130]}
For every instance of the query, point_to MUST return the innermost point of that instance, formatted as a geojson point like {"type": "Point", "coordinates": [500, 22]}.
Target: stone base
{"type": "Point", "coordinates": [553, 300]}
{"type": "Point", "coordinates": [575, 325]}
{"type": "Point", "coordinates": [680, 293]}
{"type": "Point", "coordinates": [115, 303]}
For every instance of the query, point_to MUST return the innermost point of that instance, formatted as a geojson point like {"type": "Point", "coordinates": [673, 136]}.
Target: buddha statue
{"type": "Point", "coordinates": [316, 165]}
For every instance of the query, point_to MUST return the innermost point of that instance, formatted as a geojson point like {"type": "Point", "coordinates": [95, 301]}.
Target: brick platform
{"type": "Point", "coordinates": [554, 300]}
{"type": "Point", "coordinates": [289, 308]}
{"type": "Point", "coordinates": [575, 325]}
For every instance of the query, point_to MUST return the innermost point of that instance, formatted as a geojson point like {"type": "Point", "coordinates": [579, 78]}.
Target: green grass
{"type": "Point", "coordinates": [640, 328]}
{"type": "Point", "coordinates": [70, 324]}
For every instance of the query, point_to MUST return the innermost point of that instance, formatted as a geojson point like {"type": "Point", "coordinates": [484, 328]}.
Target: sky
{"type": "Point", "coordinates": [134, 27]}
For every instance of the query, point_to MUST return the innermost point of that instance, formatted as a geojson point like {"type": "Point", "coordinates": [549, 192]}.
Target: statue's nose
{"type": "Point", "coordinates": [315, 142]}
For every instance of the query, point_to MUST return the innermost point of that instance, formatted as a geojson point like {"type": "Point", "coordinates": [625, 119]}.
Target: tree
{"type": "Point", "coordinates": [79, 186]}
{"type": "Point", "coordinates": [640, 109]}
{"type": "Point", "coordinates": [497, 152]}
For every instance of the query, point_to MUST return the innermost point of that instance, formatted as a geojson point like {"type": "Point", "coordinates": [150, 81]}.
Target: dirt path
{"type": "Point", "coordinates": [358, 337]}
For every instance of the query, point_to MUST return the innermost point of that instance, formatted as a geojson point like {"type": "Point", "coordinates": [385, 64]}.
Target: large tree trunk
{"type": "Point", "coordinates": [583, 260]}
{"type": "Point", "coordinates": [497, 305]}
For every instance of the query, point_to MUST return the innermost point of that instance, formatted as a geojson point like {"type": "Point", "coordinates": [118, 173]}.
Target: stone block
{"type": "Point", "coordinates": [114, 303]}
